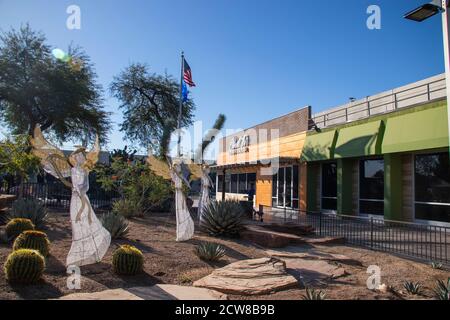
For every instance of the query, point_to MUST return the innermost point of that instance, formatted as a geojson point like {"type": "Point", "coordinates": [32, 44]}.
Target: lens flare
{"type": "Point", "coordinates": [58, 54]}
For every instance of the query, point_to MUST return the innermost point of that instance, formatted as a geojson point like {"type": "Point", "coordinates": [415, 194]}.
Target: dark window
{"type": "Point", "coordinates": [234, 183]}
{"type": "Point", "coordinates": [242, 183]}
{"type": "Point", "coordinates": [227, 183]}
{"type": "Point", "coordinates": [219, 183]}
{"type": "Point", "coordinates": [251, 180]}
{"type": "Point", "coordinates": [274, 190]}
{"type": "Point", "coordinates": [371, 186]}
{"type": "Point", "coordinates": [295, 184]}
{"type": "Point", "coordinates": [329, 186]}
{"type": "Point", "coordinates": [281, 187]}
{"type": "Point", "coordinates": [288, 190]}
{"type": "Point", "coordinates": [432, 187]}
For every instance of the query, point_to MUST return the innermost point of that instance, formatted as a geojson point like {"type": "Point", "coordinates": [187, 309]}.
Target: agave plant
{"type": "Point", "coordinates": [436, 265]}
{"type": "Point", "coordinates": [312, 294]}
{"type": "Point", "coordinates": [442, 290]}
{"type": "Point", "coordinates": [222, 218]}
{"type": "Point", "coordinates": [413, 287]}
{"type": "Point", "coordinates": [116, 224]}
{"type": "Point", "coordinates": [29, 209]}
{"type": "Point", "coordinates": [209, 251]}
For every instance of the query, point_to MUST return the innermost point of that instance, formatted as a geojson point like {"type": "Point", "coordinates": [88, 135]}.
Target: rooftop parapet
{"type": "Point", "coordinates": [417, 93]}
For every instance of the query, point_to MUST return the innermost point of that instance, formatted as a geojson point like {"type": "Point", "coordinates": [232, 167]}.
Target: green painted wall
{"type": "Point", "coordinates": [393, 187]}
{"type": "Point", "coordinates": [344, 186]}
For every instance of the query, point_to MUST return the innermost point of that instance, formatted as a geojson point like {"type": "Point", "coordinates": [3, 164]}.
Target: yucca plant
{"type": "Point", "coordinates": [209, 251]}
{"type": "Point", "coordinates": [31, 239]}
{"type": "Point", "coordinates": [312, 294]}
{"type": "Point", "coordinates": [127, 260]}
{"type": "Point", "coordinates": [116, 224]}
{"type": "Point", "coordinates": [413, 287]}
{"type": "Point", "coordinates": [222, 218]}
{"type": "Point", "coordinates": [24, 266]}
{"type": "Point", "coordinates": [29, 209]}
{"type": "Point", "coordinates": [17, 226]}
{"type": "Point", "coordinates": [442, 290]}
{"type": "Point", "coordinates": [436, 265]}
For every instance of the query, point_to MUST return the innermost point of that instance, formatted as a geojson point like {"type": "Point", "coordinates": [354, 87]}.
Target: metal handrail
{"type": "Point", "coordinates": [346, 112]}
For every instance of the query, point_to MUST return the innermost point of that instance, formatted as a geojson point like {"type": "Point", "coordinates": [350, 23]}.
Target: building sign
{"type": "Point", "coordinates": [239, 145]}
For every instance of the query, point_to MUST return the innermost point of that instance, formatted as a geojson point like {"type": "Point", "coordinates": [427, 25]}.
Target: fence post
{"type": "Point", "coordinates": [371, 232]}
{"type": "Point", "coordinates": [320, 223]}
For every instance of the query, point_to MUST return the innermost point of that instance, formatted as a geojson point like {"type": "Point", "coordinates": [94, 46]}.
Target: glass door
{"type": "Point", "coordinates": [285, 188]}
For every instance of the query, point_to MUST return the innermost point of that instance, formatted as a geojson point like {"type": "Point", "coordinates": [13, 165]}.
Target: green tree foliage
{"type": "Point", "coordinates": [36, 88]}
{"type": "Point", "coordinates": [140, 189]}
{"type": "Point", "coordinates": [150, 105]}
{"type": "Point", "coordinates": [16, 158]}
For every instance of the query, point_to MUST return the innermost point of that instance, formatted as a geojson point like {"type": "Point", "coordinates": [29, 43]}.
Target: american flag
{"type": "Point", "coordinates": [187, 75]}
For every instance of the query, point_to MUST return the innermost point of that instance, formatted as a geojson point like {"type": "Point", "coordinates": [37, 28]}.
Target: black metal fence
{"type": "Point", "coordinates": [427, 242]}
{"type": "Point", "coordinates": [56, 195]}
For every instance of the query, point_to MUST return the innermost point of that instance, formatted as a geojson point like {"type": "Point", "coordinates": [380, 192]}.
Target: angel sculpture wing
{"type": "Point", "coordinates": [52, 159]}
{"type": "Point", "coordinates": [92, 156]}
{"type": "Point", "coordinates": [159, 167]}
{"type": "Point", "coordinates": [195, 170]}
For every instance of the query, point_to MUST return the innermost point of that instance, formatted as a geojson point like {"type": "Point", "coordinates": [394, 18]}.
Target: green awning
{"type": "Point", "coordinates": [424, 129]}
{"type": "Point", "coordinates": [318, 146]}
{"type": "Point", "coordinates": [360, 140]}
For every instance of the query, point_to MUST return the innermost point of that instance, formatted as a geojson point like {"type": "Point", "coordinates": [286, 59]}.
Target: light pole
{"type": "Point", "coordinates": [424, 12]}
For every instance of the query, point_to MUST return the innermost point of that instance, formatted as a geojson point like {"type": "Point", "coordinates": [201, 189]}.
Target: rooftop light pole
{"type": "Point", "coordinates": [426, 11]}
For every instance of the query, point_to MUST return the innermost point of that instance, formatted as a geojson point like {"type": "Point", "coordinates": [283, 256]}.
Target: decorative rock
{"type": "Point", "coordinates": [249, 277]}
{"type": "Point", "coordinates": [275, 239]}
{"type": "Point", "coordinates": [268, 238]}
{"type": "Point", "coordinates": [157, 292]}
{"type": "Point", "coordinates": [311, 254]}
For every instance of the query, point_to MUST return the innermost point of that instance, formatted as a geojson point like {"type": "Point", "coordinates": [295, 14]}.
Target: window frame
{"type": "Point", "coordinates": [413, 164]}
{"type": "Point", "coordinates": [321, 189]}
{"type": "Point", "coordinates": [364, 214]}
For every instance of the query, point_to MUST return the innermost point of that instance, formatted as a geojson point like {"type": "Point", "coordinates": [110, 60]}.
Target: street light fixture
{"type": "Point", "coordinates": [424, 12]}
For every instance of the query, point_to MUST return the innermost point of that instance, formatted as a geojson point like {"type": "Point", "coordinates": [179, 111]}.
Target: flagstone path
{"type": "Point", "coordinates": [157, 292]}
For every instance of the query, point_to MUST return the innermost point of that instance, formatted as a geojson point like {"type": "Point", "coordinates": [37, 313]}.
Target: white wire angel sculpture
{"type": "Point", "coordinates": [173, 170]}
{"type": "Point", "coordinates": [90, 240]}
{"type": "Point", "coordinates": [206, 182]}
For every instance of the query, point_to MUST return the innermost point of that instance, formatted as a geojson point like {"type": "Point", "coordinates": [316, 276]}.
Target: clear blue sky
{"type": "Point", "coordinates": [252, 60]}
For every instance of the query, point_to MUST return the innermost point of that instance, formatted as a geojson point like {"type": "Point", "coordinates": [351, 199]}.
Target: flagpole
{"type": "Point", "coordinates": [180, 111]}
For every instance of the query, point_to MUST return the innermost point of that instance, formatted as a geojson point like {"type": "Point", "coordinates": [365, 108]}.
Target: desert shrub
{"type": "Point", "coordinates": [436, 265]}
{"type": "Point", "coordinates": [126, 208]}
{"type": "Point", "coordinates": [442, 290]}
{"type": "Point", "coordinates": [31, 239]}
{"type": "Point", "coordinates": [223, 218]}
{"type": "Point", "coordinates": [17, 226]}
{"type": "Point", "coordinates": [209, 251]}
{"type": "Point", "coordinates": [127, 260]}
{"type": "Point", "coordinates": [116, 224]}
{"type": "Point", "coordinates": [29, 209]}
{"type": "Point", "coordinates": [24, 266]}
{"type": "Point", "coordinates": [312, 294]}
{"type": "Point", "coordinates": [412, 287]}
{"type": "Point", "coordinates": [139, 188]}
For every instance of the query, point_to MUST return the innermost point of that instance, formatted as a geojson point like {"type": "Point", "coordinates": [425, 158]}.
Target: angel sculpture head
{"type": "Point", "coordinates": [83, 159]}
{"type": "Point", "coordinates": [56, 163]}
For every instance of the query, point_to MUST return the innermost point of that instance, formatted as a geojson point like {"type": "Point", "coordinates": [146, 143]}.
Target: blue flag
{"type": "Point", "coordinates": [184, 92]}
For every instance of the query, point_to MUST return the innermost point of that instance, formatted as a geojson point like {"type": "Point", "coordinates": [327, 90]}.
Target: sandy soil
{"type": "Point", "coordinates": [167, 261]}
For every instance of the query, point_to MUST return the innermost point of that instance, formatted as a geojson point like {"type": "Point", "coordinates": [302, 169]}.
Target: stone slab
{"type": "Point", "coordinates": [250, 277]}
{"type": "Point", "coordinates": [156, 292]}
